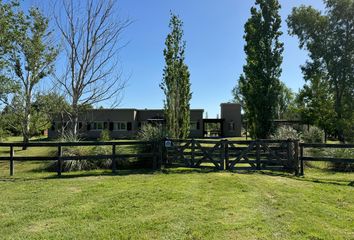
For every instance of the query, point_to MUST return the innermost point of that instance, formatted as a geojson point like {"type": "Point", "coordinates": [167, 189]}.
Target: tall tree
{"type": "Point", "coordinates": [29, 61]}
{"type": "Point", "coordinates": [314, 104]}
{"type": "Point", "coordinates": [176, 84]}
{"type": "Point", "coordinates": [329, 38]}
{"type": "Point", "coordinates": [92, 39]}
{"type": "Point", "coordinates": [285, 103]}
{"type": "Point", "coordinates": [259, 85]}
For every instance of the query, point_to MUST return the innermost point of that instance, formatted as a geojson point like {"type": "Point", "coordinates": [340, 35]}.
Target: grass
{"type": "Point", "coordinates": [174, 204]}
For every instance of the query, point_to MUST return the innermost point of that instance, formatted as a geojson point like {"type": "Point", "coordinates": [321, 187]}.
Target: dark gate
{"type": "Point", "coordinates": [234, 155]}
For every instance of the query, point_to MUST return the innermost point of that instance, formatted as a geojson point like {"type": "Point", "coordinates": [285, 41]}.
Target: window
{"type": "Point", "coordinates": [119, 126]}
{"type": "Point", "coordinates": [231, 126]}
{"type": "Point", "coordinates": [96, 126]}
{"type": "Point", "coordinates": [193, 125]}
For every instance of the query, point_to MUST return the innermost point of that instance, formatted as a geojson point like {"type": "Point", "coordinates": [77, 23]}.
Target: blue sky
{"type": "Point", "coordinates": [213, 31]}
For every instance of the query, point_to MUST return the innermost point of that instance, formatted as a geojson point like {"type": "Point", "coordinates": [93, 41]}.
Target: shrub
{"type": "Point", "coordinates": [314, 135]}
{"type": "Point", "coordinates": [4, 134]}
{"type": "Point", "coordinates": [152, 134]}
{"type": "Point", "coordinates": [86, 164]}
{"type": "Point", "coordinates": [285, 132]}
{"type": "Point", "coordinates": [105, 136]}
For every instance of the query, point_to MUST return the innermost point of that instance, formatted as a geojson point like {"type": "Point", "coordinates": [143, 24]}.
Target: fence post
{"type": "Point", "coordinates": [301, 160]}
{"type": "Point", "coordinates": [114, 163]}
{"type": "Point", "coordinates": [12, 165]}
{"type": "Point", "coordinates": [160, 154]}
{"type": "Point", "coordinates": [193, 153]}
{"type": "Point", "coordinates": [258, 157]}
{"type": "Point", "coordinates": [154, 158]}
{"type": "Point", "coordinates": [226, 157]}
{"type": "Point", "coordinates": [296, 157]}
{"type": "Point", "coordinates": [290, 159]}
{"type": "Point", "coordinates": [59, 165]}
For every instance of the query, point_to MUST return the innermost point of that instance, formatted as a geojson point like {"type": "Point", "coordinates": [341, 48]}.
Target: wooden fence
{"type": "Point", "coordinates": [234, 155]}
{"type": "Point", "coordinates": [218, 154]}
{"type": "Point", "coordinates": [320, 146]}
{"type": "Point", "coordinates": [59, 157]}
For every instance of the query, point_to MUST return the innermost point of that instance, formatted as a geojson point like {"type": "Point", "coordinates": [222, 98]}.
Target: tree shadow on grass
{"type": "Point", "coordinates": [340, 182]}
{"type": "Point", "coordinates": [68, 175]}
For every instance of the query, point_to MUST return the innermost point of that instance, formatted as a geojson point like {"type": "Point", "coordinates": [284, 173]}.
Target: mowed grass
{"type": "Point", "coordinates": [173, 204]}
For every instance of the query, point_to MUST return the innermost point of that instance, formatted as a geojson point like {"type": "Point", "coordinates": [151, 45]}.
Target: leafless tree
{"type": "Point", "coordinates": [91, 37]}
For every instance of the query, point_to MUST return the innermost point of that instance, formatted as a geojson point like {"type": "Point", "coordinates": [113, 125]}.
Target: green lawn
{"type": "Point", "coordinates": [173, 204]}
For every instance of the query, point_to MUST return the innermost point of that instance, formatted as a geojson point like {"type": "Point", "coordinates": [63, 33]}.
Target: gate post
{"type": "Point", "coordinates": [59, 163]}
{"type": "Point", "coordinates": [301, 160]}
{"type": "Point", "coordinates": [193, 153]}
{"type": "Point", "coordinates": [226, 155]}
{"type": "Point", "coordinates": [114, 162]}
{"type": "Point", "coordinates": [296, 157]}
{"type": "Point", "coordinates": [290, 159]}
{"type": "Point", "coordinates": [12, 165]}
{"type": "Point", "coordinates": [258, 157]}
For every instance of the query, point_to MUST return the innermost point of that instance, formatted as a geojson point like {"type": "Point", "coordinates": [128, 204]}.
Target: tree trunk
{"type": "Point", "coordinates": [27, 120]}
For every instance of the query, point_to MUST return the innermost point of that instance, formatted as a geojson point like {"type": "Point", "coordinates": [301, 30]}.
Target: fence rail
{"type": "Point", "coordinates": [324, 158]}
{"type": "Point", "coordinates": [222, 154]}
{"type": "Point", "coordinates": [59, 157]}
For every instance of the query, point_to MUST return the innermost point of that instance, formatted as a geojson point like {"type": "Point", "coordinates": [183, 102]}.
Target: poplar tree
{"type": "Point", "coordinates": [259, 84]}
{"type": "Point", "coordinates": [175, 83]}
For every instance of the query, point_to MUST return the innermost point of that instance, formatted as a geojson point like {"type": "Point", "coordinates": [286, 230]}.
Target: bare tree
{"type": "Point", "coordinates": [91, 39]}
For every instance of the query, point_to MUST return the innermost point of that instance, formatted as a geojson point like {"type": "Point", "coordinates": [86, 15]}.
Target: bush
{"type": "Point", "coordinates": [314, 135]}
{"type": "Point", "coordinates": [152, 134]}
{"type": "Point", "coordinates": [105, 136]}
{"type": "Point", "coordinates": [86, 164]}
{"type": "Point", "coordinates": [285, 132]}
{"type": "Point", "coordinates": [4, 134]}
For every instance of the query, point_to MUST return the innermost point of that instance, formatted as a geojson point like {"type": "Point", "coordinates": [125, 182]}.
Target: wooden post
{"type": "Point", "coordinates": [160, 154]}
{"type": "Point", "coordinates": [301, 160]}
{"type": "Point", "coordinates": [258, 157]}
{"type": "Point", "coordinates": [290, 162]}
{"type": "Point", "coordinates": [59, 166]}
{"type": "Point", "coordinates": [296, 157]}
{"type": "Point", "coordinates": [114, 162]}
{"type": "Point", "coordinates": [154, 158]}
{"type": "Point", "coordinates": [12, 165]}
{"type": "Point", "coordinates": [226, 151]}
{"type": "Point", "coordinates": [193, 153]}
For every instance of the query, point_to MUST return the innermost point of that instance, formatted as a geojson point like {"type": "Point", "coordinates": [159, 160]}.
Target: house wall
{"type": "Point", "coordinates": [231, 113]}
{"type": "Point", "coordinates": [133, 117]}
{"type": "Point", "coordinates": [197, 116]}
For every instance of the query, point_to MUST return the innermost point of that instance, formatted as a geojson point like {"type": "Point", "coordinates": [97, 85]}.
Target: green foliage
{"type": "Point", "coordinates": [286, 105]}
{"type": "Point", "coordinates": [4, 133]}
{"type": "Point", "coordinates": [342, 153]}
{"type": "Point", "coordinates": [286, 132]}
{"type": "Point", "coordinates": [176, 83]}
{"type": "Point", "coordinates": [259, 84]}
{"type": "Point", "coordinates": [105, 135]}
{"type": "Point", "coordinates": [29, 60]}
{"type": "Point", "coordinates": [149, 132]}
{"type": "Point", "coordinates": [329, 39]}
{"type": "Point", "coordinates": [314, 135]}
{"type": "Point", "coordinates": [85, 164]}
{"type": "Point", "coordinates": [314, 104]}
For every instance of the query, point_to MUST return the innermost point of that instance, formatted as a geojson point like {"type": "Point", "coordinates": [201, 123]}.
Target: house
{"type": "Point", "coordinates": [125, 123]}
